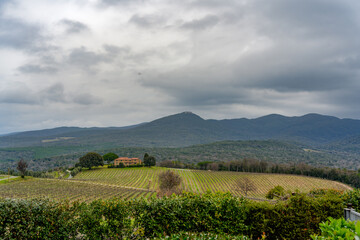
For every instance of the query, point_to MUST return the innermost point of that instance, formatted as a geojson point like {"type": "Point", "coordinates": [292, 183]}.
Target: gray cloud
{"type": "Point", "coordinates": [201, 24]}
{"type": "Point", "coordinates": [88, 59]}
{"type": "Point", "coordinates": [113, 50]}
{"type": "Point", "coordinates": [37, 69]}
{"type": "Point", "coordinates": [54, 93]}
{"type": "Point", "coordinates": [309, 18]}
{"type": "Point", "coordinates": [114, 3]}
{"type": "Point", "coordinates": [18, 96]}
{"type": "Point", "coordinates": [86, 99]}
{"type": "Point", "coordinates": [74, 26]}
{"type": "Point", "coordinates": [147, 21]}
{"type": "Point", "coordinates": [248, 57]}
{"type": "Point", "coordinates": [17, 34]}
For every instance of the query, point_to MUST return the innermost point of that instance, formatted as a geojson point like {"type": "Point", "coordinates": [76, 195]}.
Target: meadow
{"type": "Point", "coordinates": [135, 183]}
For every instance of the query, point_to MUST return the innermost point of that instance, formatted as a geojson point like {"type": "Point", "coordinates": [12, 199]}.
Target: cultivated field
{"type": "Point", "coordinates": [130, 183]}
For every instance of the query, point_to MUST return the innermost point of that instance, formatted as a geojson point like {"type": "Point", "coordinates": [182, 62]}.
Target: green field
{"type": "Point", "coordinates": [130, 183]}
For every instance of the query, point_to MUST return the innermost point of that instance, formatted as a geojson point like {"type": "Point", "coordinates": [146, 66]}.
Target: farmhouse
{"type": "Point", "coordinates": [127, 161]}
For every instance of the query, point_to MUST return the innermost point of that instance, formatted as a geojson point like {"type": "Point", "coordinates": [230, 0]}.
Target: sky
{"type": "Point", "coordinates": [121, 62]}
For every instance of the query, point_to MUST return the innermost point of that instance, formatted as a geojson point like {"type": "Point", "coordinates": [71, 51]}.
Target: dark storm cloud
{"type": "Point", "coordinates": [37, 69]}
{"type": "Point", "coordinates": [311, 47]}
{"type": "Point", "coordinates": [202, 23]}
{"type": "Point", "coordinates": [74, 26]}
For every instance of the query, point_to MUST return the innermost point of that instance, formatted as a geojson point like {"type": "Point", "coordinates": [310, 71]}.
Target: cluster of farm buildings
{"type": "Point", "coordinates": [127, 161]}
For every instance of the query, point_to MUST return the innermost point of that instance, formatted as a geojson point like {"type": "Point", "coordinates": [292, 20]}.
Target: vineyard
{"type": "Point", "coordinates": [130, 183]}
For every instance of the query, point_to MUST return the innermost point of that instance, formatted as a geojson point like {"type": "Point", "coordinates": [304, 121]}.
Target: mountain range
{"type": "Point", "coordinates": [312, 138]}
{"type": "Point", "coordinates": [185, 129]}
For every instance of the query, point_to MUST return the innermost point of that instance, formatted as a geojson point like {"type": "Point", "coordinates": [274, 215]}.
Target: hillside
{"type": "Point", "coordinates": [331, 141]}
{"type": "Point", "coordinates": [185, 129]}
{"type": "Point", "coordinates": [132, 183]}
{"type": "Point", "coordinates": [41, 158]}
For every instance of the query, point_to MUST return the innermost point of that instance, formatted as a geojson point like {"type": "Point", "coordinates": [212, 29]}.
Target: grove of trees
{"type": "Point", "coordinates": [91, 159]}
{"type": "Point", "coordinates": [149, 160]}
{"type": "Point", "coordinates": [109, 157]}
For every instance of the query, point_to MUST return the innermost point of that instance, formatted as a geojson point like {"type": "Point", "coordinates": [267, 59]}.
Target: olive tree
{"type": "Point", "coordinates": [91, 159]}
{"type": "Point", "coordinates": [244, 186]}
{"type": "Point", "coordinates": [109, 157]}
{"type": "Point", "coordinates": [169, 183]}
{"type": "Point", "coordinates": [21, 167]}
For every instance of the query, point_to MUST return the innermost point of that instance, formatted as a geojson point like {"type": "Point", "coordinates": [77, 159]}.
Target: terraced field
{"type": "Point", "coordinates": [130, 183]}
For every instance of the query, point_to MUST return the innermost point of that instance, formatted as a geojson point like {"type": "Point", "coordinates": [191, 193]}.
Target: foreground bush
{"type": "Point", "coordinates": [337, 229]}
{"type": "Point", "coordinates": [201, 236]}
{"type": "Point", "coordinates": [297, 218]}
{"type": "Point", "coordinates": [215, 214]}
{"type": "Point", "coordinates": [37, 219]}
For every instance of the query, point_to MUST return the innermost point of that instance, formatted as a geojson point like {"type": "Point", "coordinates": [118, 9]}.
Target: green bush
{"type": "Point", "coordinates": [297, 218]}
{"type": "Point", "coordinates": [211, 213]}
{"type": "Point", "coordinates": [201, 236]}
{"type": "Point", "coordinates": [106, 219]}
{"type": "Point", "coordinates": [353, 198]}
{"type": "Point", "coordinates": [37, 219]}
{"type": "Point", "coordinates": [276, 192]}
{"type": "Point", "coordinates": [338, 229]}
{"type": "Point", "coordinates": [216, 213]}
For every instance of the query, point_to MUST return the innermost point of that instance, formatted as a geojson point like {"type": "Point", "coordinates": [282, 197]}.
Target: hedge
{"type": "Point", "coordinates": [216, 213]}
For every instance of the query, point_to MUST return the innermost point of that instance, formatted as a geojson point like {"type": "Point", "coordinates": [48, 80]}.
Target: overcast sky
{"type": "Point", "coordinates": [121, 62]}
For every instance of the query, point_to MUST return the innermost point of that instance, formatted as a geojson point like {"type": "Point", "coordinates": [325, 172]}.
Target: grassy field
{"type": "Point", "coordinates": [130, 183]}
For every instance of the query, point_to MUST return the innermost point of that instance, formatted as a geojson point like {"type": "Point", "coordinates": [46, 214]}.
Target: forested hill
{"type": "Point", "coordinates": [185, 129]}
{"type": "Point", "coordinates": [41, 158]}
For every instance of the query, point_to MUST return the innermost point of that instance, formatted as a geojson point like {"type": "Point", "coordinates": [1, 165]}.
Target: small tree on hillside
{"type": "Point", "coordinates": [149, 160]}
{"type": "Point", "coordinates": [21, 167]}
{"type": "Point", "coordinates": [109, 157]}
{"type": "Point", "coordinates": [91, 159]}
{"type": "Point", "coordinates": [276, 192]}
{"type": "Point", "coordinates": [169, 183]}
{"type": "Point", "coordinates": [244, 186]}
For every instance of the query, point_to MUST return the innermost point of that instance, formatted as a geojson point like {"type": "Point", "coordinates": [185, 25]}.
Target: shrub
{"type": "Point", "coordinates": [353, 198]}
{"type": "Point", "coordinates": [201, 236]}
{"type": "Point", "coordinates": [338, 229]}
{"type": "Point", "coordinates": [169, 183]}
{"type": "Point", "coordinates": [297, 218]}
{"type": "Point", "coordinates": [277, 192]}
{"type": "Point", "coordinates": [211, 213]}
{"type": "Point", "coordinates": [215, 213]}
{"type": "Point", "coordinates": [75, 171]}
{"type": "Point", "coordinates": [37, 219]}
{"type": "Point", "coordinates": [106, 219]}
{"type": "Point", "coordinates": [120, 165]}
